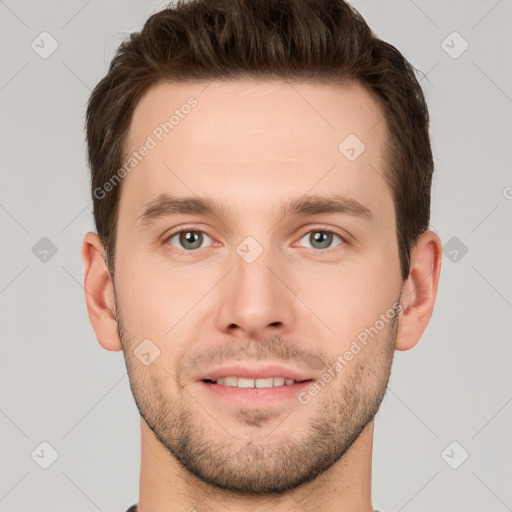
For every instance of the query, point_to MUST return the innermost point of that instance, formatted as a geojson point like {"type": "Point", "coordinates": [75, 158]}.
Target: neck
{"type": "Point", "coordinates": [165, 486]}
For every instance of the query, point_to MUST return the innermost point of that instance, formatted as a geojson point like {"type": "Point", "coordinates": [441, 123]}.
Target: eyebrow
{"type": "Point", "coordinates": [167, 206]}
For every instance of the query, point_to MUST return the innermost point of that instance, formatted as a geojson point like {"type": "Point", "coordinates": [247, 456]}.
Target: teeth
{"type": "Point", "coordinates": [230, 381]}
{"type": "Point", "coordinates": [245, 383]}
{"type": "Point", "coordinates": [264, 383]}
{"type": "Point", "coordinates": [242, 382]}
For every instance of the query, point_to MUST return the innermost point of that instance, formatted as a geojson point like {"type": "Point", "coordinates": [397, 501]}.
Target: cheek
{"type": "Point", "coordinates": [350, 297]}
{"type": "Point", "coordinates": [154, 296]}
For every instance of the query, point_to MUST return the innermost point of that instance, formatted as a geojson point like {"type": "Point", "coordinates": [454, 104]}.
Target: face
{"type": "Point", "coordinates": [282, 263]}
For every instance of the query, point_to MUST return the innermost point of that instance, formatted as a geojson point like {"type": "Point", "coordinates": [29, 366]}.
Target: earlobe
{"type": "Point", "coordinates": [420, 290]}
{"type": "Point", "coordinates": [99, 293]}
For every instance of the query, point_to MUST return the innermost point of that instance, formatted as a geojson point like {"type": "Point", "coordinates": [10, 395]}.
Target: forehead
{"type": "Point", "coordinates": [261, 138]}
{"type": "Point", "coordinates": [308, 111]}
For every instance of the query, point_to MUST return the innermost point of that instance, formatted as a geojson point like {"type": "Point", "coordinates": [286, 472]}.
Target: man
{"type": "Point", "coordinates": [261, 176]}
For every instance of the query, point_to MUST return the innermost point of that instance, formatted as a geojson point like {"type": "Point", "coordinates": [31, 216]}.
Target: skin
{"type": "Point", "coordinates": [252, 145]}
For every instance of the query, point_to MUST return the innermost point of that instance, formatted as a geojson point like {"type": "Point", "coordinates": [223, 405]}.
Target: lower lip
{"type": "Point", "coordinates": [255, 397]}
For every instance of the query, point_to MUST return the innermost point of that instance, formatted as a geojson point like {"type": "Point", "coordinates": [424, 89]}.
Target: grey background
{"type": "Point", "coordinates": [58, 385]}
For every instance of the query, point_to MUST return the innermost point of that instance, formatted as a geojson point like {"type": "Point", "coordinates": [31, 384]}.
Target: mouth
{"type": "Point", "coordinates": [253, 394]}
{"type": "Point", "coordinates": [240, 375]}
{"type": "Point", "coordinates": [259, 383]}
{"type": "Point", "coordinates": [253, 387]}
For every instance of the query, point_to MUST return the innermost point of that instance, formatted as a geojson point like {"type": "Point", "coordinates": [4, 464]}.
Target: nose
{"type": "Point", "coordinates": [254, 298]}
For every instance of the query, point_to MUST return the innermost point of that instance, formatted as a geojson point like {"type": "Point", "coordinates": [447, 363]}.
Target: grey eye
{"type": "Point", "coordinates": [320, 239]}
{"type": "Point", "coordinates": [189, 239]}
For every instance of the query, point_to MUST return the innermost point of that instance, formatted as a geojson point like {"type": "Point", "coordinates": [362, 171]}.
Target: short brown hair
{"type": "Point", "coordinates": [323, 41]}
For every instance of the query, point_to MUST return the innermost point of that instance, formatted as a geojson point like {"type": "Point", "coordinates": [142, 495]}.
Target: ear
{"type": "Point", "coordinates": [420, 290]}
{"type": "Point", "coordinates": [99, 293]}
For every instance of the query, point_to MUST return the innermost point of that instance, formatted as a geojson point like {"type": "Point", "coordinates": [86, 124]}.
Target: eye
{"type": "Point", "coordinates": [321, 238]}
{"type": "Point", "coordinates": [188, 239]}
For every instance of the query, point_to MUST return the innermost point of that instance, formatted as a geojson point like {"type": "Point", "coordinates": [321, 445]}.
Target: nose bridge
{"type": "Point", "coordinates": [253, 298]}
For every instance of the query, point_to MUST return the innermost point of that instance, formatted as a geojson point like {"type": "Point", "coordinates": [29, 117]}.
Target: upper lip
{"type": "Point", "coordinates": [255, 372]}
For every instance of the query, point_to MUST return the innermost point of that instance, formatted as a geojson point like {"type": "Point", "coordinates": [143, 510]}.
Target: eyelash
{"type": "Point", "coordinates": [318, 229]}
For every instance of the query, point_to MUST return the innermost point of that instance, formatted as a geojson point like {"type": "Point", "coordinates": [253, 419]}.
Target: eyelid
{"type": "Point", "coordinates": [180, 229]}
